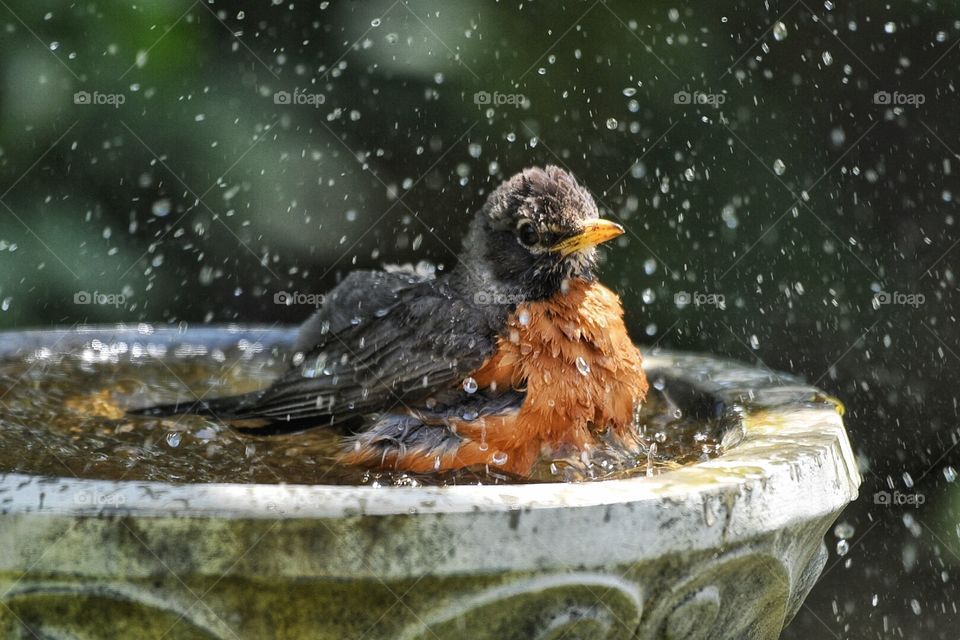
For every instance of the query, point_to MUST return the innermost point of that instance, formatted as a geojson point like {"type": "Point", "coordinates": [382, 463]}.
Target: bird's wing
{"type": "Point", "coordinates": [382, 339]}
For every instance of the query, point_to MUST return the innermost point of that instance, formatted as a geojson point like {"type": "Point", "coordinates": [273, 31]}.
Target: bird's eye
{"type": "Point", "coordinates": [528, 234]}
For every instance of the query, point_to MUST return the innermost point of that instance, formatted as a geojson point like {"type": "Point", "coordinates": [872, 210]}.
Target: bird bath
{"type": "Point", "coordinates": [723, 548]}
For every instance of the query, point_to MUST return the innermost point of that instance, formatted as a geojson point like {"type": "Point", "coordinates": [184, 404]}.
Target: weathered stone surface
{"type": "Point", "coordinates": [724, 549]}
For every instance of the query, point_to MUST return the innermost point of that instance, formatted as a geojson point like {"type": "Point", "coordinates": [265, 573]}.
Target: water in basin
{"type": "Point", "coordinates": [62, 413]}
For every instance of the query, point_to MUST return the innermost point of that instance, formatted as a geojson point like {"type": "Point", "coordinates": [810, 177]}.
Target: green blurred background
{"type": "Point", "coordinates": [149, 154]}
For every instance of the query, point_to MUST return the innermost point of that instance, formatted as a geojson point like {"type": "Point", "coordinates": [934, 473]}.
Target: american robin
{"type": "Point", "coordinates": [516, 348]}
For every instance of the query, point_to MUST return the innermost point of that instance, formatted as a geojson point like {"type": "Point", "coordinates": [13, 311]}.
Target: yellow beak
{"type": "Point", "coordinates": [592, 234]}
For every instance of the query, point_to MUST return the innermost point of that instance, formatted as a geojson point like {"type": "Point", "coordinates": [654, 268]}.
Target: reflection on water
{"type": "Point", "coordinates": [63, 414]}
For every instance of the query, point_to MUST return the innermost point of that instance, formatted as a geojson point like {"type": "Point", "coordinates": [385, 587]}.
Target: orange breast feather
{"type": "Point", "coordinates": [577, 363]}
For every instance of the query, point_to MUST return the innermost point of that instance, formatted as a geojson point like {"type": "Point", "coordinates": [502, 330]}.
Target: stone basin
{"type": "Point", "coordinates": [726, 548]}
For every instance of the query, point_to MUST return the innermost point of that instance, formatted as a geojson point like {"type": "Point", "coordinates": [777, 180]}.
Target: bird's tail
{"type": "Point", "coordinates": [226, 408]}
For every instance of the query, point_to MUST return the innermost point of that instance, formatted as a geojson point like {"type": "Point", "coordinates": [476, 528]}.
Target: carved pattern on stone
{"type": "Point", "coordinates": [570, 605]}
{"type": "Point", "coordinates": [738, 595]}
{"type": "Point", "coordinates": [67, 610]}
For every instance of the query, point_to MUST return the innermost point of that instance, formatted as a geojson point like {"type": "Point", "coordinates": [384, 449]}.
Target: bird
{"type": "Point", "coordinates": [515, 350]}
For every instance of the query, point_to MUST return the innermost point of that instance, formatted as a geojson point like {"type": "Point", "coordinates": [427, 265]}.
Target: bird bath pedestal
{"type": "Point", "coordinates": [726, 548]}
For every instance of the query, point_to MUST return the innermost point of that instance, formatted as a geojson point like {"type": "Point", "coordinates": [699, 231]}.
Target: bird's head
{"type": "Point", "coordinates": [536, 230]}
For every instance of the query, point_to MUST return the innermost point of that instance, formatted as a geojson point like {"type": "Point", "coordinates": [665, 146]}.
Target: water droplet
{"type": "Point", "coordinates": [915, 605]}
{"type": "Point", "coordinates": [375, 22]}
{"type": "Point", "coordinates": [754, 341]}
{"type": "Point", "coordinates": [843, 547]}
{"type": "Point", "coordinates": [54, 45]}
{"type": "Point", "coordinates": [843, 530]}
{"type": "Point", "coordinates": [582, 366]}
{"type": "Point", "coordinates": [950, 474]}
{"type": "Point", "coordinates": [469, 385]}
{"type": "Point", "coordinates": [612, 123]}
{"type": "Point", "coordinates": [729, 216]}
{"type": "Point", "coordinates": [890, 27]}
{"type": "Point", "coordinates": [161, 207]}
{"type": "Point", "coordinates": [838, 136]}
{"type": "Point", "coordinates": [173, 439]}
{"type": "Point", "coordinates": [524, 317]}
{"type": "Point", "coordinates": [779, 31]}
{"type": "Point", "coordinates": [827, 58]}
{"type": "Point", "coordinates": [779, 167]}
{"type": "Point", "coordinates": [469, 415]}
{"type": "Point", "coordinates": [649, 266]}
{"type": "Point", "coordinates": [629, 92]}
{"type": "Point", "coordinates": [499, 458]}
{"type": "Point", "coordinates": [648, 296]}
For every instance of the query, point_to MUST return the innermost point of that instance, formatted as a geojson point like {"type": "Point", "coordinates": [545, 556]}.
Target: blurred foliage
{"type": "Point", "coordinates": [797, 199]}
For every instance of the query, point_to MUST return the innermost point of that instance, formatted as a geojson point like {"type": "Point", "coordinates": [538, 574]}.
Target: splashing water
{"type": "Point", "coordinates": [67, 417]}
